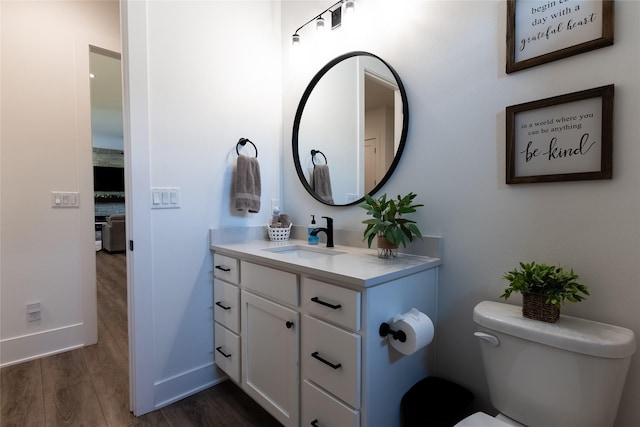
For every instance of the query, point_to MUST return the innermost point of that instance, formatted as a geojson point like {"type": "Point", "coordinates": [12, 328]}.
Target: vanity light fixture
{"type": "Point", "coordinates": [336, 18]}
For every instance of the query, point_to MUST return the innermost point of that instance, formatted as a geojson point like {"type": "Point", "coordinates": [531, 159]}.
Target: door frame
{"type": "Point", "coordinates": [138, 216]}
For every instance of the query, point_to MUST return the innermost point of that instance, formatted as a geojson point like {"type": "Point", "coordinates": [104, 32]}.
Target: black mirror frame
{"type": "Point", "coordinates": [303, 102]}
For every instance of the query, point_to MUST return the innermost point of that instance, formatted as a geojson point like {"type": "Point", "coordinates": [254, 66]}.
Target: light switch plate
{"type": "Point", "coordinates": [165, 197]}
{"type": "Point", "coordinates": [65, 199]}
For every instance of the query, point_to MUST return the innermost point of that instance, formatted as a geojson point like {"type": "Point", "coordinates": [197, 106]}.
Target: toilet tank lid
{"type": "Point", "coordinates": [568, 333]}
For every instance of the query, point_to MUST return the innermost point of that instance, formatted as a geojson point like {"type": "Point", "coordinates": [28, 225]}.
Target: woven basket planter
{"type": "Point", "coordinates": [534, 307]}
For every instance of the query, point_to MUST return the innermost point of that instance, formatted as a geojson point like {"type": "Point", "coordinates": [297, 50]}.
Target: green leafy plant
{"type": "Point", "coordinates": [388, 220]}
{"type": "Point", "coordinates": [553, 282]}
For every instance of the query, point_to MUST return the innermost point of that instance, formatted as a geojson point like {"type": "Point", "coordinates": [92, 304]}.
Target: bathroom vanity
{"type": "Point", "coordinates": [296, 327]}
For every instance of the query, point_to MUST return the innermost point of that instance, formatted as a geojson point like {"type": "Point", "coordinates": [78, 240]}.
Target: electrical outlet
{"type": "Point", "coordinates": [352, 197]}
{"type": "Point", "coordinates": [33, 312]}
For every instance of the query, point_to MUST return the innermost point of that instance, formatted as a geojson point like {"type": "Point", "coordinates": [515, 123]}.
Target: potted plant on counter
{"type": "Point", "coordinates": [388, 224]}
{"type": "Point", "coordinates": [544, 289]}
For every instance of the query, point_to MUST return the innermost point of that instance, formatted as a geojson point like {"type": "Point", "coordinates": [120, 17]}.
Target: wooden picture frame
{"type": "Point", "coordinates": [563, 138]}
{"type": "Point", "coordinates": [543, 31]}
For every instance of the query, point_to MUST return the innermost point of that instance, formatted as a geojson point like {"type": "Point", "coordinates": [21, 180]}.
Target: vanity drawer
{"type": "Point", "coordinates": [325, 410]}
{"type": "Point", "coordinates": [227, 352]}
{"type": "Point", "coordinates": [331, 359]}
{"type": "Point", "coordinates": [226, 306]}
{"type": "Point", "coordinates": [331, 303]}
{"type": "Point", "coordinates": [275, 284]}
{"type": "Point", "coordinates": [226, 268]}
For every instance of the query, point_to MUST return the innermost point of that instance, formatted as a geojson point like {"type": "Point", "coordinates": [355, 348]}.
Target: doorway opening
{"type": "Point", "coordinates": [107, 146]}
{"type": "Point", "coordinates": [107, 140]}
{"type": "Point", "coordinates": [380, 128]}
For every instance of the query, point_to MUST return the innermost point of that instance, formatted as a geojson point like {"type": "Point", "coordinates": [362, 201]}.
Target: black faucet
{"type": "Point", "coordinates": [328, 231]}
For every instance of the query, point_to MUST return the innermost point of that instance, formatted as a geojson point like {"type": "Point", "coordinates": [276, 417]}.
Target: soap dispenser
{"type": "Point", "coordinates": [313, 240]}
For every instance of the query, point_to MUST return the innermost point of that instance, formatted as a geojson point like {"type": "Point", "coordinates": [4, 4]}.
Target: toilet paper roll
{"type": "Point", "coordinates": [418, 328]}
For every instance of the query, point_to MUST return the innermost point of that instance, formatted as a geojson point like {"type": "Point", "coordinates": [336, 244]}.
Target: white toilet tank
{"type": "Point", "coordinates": [569, 373]}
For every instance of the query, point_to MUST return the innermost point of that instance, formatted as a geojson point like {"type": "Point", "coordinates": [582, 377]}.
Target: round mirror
{"type": "Point", "coordinates": [350, 129]}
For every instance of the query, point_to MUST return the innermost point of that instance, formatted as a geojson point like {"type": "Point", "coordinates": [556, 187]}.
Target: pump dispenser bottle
{"type": "Point", "coordinates": [313, 240]}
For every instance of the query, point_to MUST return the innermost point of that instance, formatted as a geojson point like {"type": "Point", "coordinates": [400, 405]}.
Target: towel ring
{"type": "Point", "coordinates": [243, 142]}
{"type": "Point", "coordinates": [314, 152]}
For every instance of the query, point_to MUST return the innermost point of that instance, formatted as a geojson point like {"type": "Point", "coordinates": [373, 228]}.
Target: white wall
{"type": "Point", "coordinates": [209, 74]}
{"type": "Point", "coordinates": [451, 58]}
{"type": "Point", "coordinates": [211, 71]}
{"type": "Point", "coordinates": [47, 255]}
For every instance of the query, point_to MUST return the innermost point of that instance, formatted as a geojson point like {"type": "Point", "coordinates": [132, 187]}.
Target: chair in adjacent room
{"type": "Point", "coordinates": [113, 233]}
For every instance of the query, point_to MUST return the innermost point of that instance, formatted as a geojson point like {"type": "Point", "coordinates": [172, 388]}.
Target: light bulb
{"type": "Point", "coordinates": [295, 39]}
{"type": "Point", "coordinates": [349, 6]}
{"type": "Point", "coordinates": [320, 23]}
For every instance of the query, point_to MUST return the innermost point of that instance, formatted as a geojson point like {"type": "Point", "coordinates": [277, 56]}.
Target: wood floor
{"type": "Point", "coordinates": [90, 386]}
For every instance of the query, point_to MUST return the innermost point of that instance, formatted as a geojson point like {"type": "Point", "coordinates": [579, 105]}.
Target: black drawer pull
{"type": "Point", "coordinates": [224, 307]}
{"type": "Point", "coordinates": [289, 324]}
{"type": "Point", "coordinates": [318, 301]}
{"type": "Point", "coordinates": [314, 423]}
{"type": "Point", "coordinates": [326, 362]}
{"type": "Point", "coordinates": [223, 268]}
{"type": "Point", "coordinates": [219, 350]}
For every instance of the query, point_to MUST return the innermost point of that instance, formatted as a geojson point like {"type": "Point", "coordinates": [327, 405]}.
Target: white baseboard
{"type": "Point", "coordinates": [40, 344]}
{"type": "Point", "coordinates": [178, 387]}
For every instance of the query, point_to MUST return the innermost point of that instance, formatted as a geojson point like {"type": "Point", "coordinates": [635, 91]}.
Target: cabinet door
{"type": "Point", "coordinates": [270, 356]}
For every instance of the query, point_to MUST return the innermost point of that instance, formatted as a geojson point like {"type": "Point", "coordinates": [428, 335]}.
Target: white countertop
{"type": "Point", "coordinates": [360, 267]}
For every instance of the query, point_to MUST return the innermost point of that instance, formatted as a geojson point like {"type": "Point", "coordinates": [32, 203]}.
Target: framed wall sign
{"type": "Point", "coordinates": [543, 31]}
{"type": "Point", "coordinates": [564, 138]}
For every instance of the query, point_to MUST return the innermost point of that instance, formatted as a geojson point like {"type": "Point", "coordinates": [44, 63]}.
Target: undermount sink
{"type": "Point", "coordinates": [304, 252]}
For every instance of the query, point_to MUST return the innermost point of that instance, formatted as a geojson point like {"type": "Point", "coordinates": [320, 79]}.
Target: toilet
{"type": "Point", "coordinates": [564, 374]}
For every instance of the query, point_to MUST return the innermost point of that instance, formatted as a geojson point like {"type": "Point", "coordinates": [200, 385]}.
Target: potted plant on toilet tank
{"type": "Point", "coordinates": [544, 288]}
{"type": "Point", "coordinates": [388, 223]}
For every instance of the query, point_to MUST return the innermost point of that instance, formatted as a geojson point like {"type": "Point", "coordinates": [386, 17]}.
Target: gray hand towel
{"type": "Point", "coordinates": [247, 184]}
{"type": "Point", "coordinates": [321, 183]}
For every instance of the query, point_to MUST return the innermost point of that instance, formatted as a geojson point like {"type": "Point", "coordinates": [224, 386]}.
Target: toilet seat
{"type": "Point", "coordinates": [480, 419]}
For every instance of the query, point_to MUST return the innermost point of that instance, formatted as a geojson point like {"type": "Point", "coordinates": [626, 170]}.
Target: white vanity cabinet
{"type": "Point", "coordinates": [309, 336]}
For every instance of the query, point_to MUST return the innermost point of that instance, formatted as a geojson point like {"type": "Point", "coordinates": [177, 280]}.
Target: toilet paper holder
{"type": "Point", "coordinates": [385, 329]}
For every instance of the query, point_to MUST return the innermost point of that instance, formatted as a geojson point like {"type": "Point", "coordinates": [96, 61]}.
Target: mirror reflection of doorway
{"type": "Point", "coordinates": [379, 140]}
{"type": "Point", "coordinates": [109, 200]}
